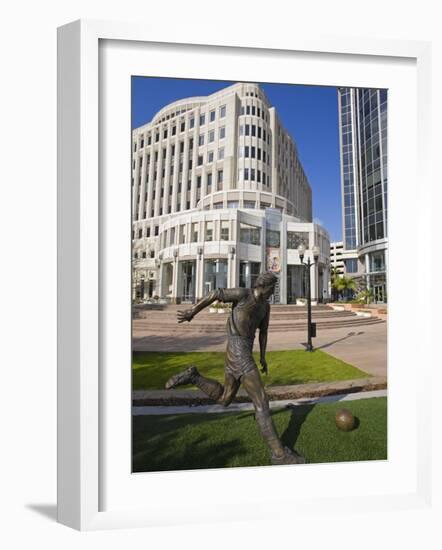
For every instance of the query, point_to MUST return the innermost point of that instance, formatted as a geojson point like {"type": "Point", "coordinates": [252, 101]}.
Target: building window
{"type": "Point", "coordinates": [220, 180]}
{"type": "Point", "coordinates": [247, 130]}
{"type": "Point", "coordinates": [174, 130]}
{"type": "Point", "coordinates": [377, 261]}
{"type": "Point", "coordinates": [183, 126]}
{"type": "Point", "coordinates": [165, 134]}
{"type": "Point", "coordinates": [295, 238]}
{"type": "Point", "coordinates": [140, 233]}
{"type": "Point", "coordinates": [195, 232]}
{"type": "Point", "coordinates": [209, 182]}
{"type": "Point", "coordinates": [351, 265]}
{"type": "Point", "coordinates": [273, 238]}
{"type": "Point", "coordinates": [201, 139]}
{"type": "Point", "coordinates": [212, 116]}
{"type": "Point", "coordinates": [182, 236]}
{"type": "Point", "coordinates": [248, 273]}
{"type": "Point", "coordinates": [246, 174]}
{"type": "Point", "coordinates": [200, 160]}
{"type": "Point", "coordinates": [156, 230]}
{"type": "Point", "coordinates": [209, 231]}
{"type": "Point", "coordinates": [222, 111]}
{"type": "Point", "coordinates": [249, 204]}
{"type": "Point", "coordinates": [232, 204]}
{"type": "Point", "coordinates": [215, 274]}
{"type": "Point", "coordinates": [224, 236]}
{"type": "Point", "coordinates": [152, 254]}
{"type": "Point", "coordinates": [202, 120]}
{"type": "Point", "coordinates": [218, 205]}
{"type": "Point", "coordinates": [211, 136]}
{"type": "Point", "coordinates": [221, 153]}
{"type": "Point", "coordinates": [249, 234]}
{"type": "Point", "coordinates": [222, 132]}
{"type": "Point", "coordinates": [210, 156]}
{"type": "Point", "coordinates": [191, 122]}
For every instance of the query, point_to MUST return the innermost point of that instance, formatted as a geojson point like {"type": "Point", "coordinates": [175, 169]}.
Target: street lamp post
{"type": "Point", "coordinates": [311, 328]}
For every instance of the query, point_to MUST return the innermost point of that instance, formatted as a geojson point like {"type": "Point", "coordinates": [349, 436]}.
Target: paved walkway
{"type": "Point", "coordinates": [364, 347]}
{"type": "Point", "coordinates": [239, 407]}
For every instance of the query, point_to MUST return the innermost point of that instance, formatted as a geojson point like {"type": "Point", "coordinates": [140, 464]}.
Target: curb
{"type": "Point", "coordinates": [275, 393]}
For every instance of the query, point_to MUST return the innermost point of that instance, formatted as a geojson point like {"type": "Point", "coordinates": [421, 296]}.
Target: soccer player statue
{"type": "Point", "coordinates": [250, 311]}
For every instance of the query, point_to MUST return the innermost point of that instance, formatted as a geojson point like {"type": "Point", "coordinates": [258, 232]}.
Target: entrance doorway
{"type": "Point", "coordinates": [187, 287]}
{"type": "Point", "coordinates": [215, 275]}
{"type": "Point", "coordinates": [295, 283]}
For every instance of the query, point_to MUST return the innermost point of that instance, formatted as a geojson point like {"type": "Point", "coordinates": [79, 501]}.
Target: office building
{"type": "Point", "coordinates": [219, 195]}
{"type": "Point", "coordinates": [364, 183]}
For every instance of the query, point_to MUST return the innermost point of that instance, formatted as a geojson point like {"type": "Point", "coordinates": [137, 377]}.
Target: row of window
{"type": "Point", "coordinates": [212, 116]}
{"type": "Point", "coordinates": [168, 237]}
{"type": "Point", "coordinates": [254, 131]}
{"type": "Point", "coordinates": [250, 234]}
{"type": "Point", "coordinates": [250, 151]}
{"type": "Point", "coordinates": [146, 233]}
{"type": "Point", "coordinates": [253, 111]}
{"type": "Point", "coordinates": [209, 181]}
{"type": "Point", "coordinates": [182, 126]}
{"type": "Point", "coordinates": [252, 174]}
{"type": "Point", "coordinates": [211, 136]}
{"type": "Point", "coordinates": [210, 158]}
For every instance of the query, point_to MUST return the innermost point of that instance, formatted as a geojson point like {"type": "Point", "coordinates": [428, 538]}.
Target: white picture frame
{"type": "Point", "coordinates": [83, 299]}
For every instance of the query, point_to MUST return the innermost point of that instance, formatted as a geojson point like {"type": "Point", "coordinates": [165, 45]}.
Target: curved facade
{"type": "Point", "coordinates": [213, 178]}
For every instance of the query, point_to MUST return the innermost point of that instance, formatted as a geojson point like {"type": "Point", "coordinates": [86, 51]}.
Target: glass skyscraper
{"type": "Point", "coordinates": [364, 181]}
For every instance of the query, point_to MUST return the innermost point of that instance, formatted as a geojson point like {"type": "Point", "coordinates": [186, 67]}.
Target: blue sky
{"type": "Point", "coordinates": [309, 113]}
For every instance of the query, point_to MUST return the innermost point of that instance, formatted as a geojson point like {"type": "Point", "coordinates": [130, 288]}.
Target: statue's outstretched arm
{"type": "Point", "coordinates": [189, 314]}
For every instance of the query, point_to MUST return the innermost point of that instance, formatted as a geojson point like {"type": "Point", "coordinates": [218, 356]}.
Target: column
{"type": "Point", "coordinates": [175, 281]}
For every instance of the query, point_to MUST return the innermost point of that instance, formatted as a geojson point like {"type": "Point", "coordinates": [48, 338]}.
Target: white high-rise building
{"type": "Point", "coordinates": [219, 195]}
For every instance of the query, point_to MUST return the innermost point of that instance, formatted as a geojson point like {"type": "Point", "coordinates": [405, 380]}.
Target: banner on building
{"type": "Point", "coordinates": [273, 260]}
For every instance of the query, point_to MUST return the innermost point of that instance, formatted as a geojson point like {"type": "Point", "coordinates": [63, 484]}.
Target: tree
{"type": "Point", "coordinates": [344, 285]}
{"type": "Point", "coordinates": [334, 278]}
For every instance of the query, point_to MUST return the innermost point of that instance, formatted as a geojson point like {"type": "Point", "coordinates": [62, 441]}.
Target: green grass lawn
{"type": "Point", "coordinates": [193, 441]}
{"type": "Point", "coordinates": [152, 369]}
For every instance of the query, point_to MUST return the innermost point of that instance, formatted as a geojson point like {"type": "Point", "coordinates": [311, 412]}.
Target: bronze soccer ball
{"type": "Point", "coordinates": [345, 420]}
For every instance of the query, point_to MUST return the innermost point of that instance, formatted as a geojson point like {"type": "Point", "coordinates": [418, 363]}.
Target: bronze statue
{"type": "Point", "coordinates": [250, 311]}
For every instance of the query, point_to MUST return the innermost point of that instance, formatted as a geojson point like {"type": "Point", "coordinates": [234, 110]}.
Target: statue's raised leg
{"type": "Point", "coordinates": [212, 388]}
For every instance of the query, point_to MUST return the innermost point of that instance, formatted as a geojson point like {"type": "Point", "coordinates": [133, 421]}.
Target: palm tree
{"type": "Point", "coordinates": [334, 279]}
{"type": "Point", "coordinates": [344, 285]}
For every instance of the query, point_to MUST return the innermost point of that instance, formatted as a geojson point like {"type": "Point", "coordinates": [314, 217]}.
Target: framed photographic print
{"type": "Point", "coordinates": [231, 252]}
